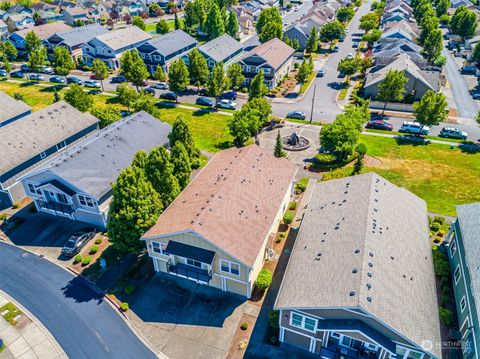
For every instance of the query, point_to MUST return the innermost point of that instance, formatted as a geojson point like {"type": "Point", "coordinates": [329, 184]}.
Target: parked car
{"type": "Point", "coordinates": [74, 80]}
{"type": "Point", "coordinates": [204, 101]}
{"type": "Point", "coordinates": [125, 113]}
{"type": "Point", "coordinates": [24, 67]}
{"type": "Point", "coordinates": [378, 116]}
{"type": "Point", "coordinates": [321, 73]}
{"type": "Point", "coordinates": [453, 132]}
{"type": "Point", "coordinates": [414, 128]}
{"type": "Point", "coordinates": [17, 74]}
{"type": "Point", "coordinates": [335, 49]}
{"type": "Point", "coordinates": [161, 86]}
{"type": "Point", "coordinates": [476, 95]}
{"type": "Point", "coordinates": [36, 77]}
{"type": "Point", "coordinates": [118, 79]}
{"type": "Point", "coordinates": [228, 104]}
{"type": "Point", "coordinates": [3, 73]}
{"type": "Point", "coordinates": [299, 115]}
{"type": "Point", "coordinates": [92, 84]}
{"type": "Point", "coordinates": [230, 95]}
{"type": "Point", "coordinates": [46, 70]}
{"type": "Point", "coordinates": [350, 55]}
{"type": "Point", "coordinates": [171, 96]}
{"type": "Point", "coordinates": [58, 79]}
{"type": "Point", "coordinates": [149, 90]}
{"type": "Point", "coordinates": [77, 241]}
{"type": "Point", "coordinates": [203, 92]}
{"type": "Point", "coordinates": [379, 125]}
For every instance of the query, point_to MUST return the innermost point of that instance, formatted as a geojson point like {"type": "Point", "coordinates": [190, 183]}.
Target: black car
{"type": "Point", "coordinates": [25, 67]}
{"type": "Point", "coordinates": [149, 90]}
{"type": "Point", "coordinates": [230, 95]}
{"type": "Point", "coordinates": [17, 74]}
{"type": "Point", "coordinates": [74, 80]}
{"type": "Point", "coordinates": [118, 79]}
{"type": "Point", "coordinates": [378, 116]}
{"type": "Point", "coordinates": [379, 125]}
{"type": "Point", "coordinates": [172, 96]}
{"type": "Point", "coordinates": [204, 101]}
{"type": "Point", "coordinates": [77, 241]}
{"type": "Point", "coordinates": [203, 92]}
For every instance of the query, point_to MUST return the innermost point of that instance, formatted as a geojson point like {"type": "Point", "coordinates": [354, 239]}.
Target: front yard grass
{"type": "Point", "coordinates": [442, 176]}
{"type": "Point", "coordinates": [9, 312]}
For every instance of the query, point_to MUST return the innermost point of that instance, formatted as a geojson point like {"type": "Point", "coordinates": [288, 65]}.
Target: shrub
{"type": "Point", "coordinates": [292, 206]}
{"type": "Point", "coordinates": [16, 205]}
{"type": "Point", "coordinates": [93, 249]}
{"type": "Point", "coordinates": [244, 326]}
{"type": "Point", "coordinates": [124, 307]}
{"type": "Point", "coordinates": [444, 300]}
{"type": "Point", "coordinates": [278, 240]}
{"type": "Point", "coordinates": [443, 282]}
{"type": "Point", "coordinates": [446, 316]}
{"type": "Point", "coordinates": [86, 261]}
{"type": "Point", "coordinates": [264, 279]}
{"type": "Point", "coordinates": [362, 149]}
{"type": "Point", "coordinates": [273, 339]}
{"type": "Point", "coordinates": [78, 258]}
{"type": "Point", "coordinates": [441, 233]}
{"type": "Point", "coordinates": [287, 218]}
{"type": "Point", "coordinates": [435, 226]}
{"type": "Point", "coordinates": [445, 290]}
{"type": "Point", "coordinates": [273, 318]}
{"type": "Point", "coordinates": [129, 289]}
{"type": "Point", "coordinates": [296, 65]}
{"type": "Point", "coordinates": [300, 187]}
{"type": "Point", "coordinates": [325, 158]}
{"type": "Point", "coordinates": [98, 240]}
{"type": "Point", "coordinates": [442, 268]}
{"type": "Point", "coordinates": [439, 220]}
{"type": "Point", "coordinates": [244, 89]}
{"type": "Point", "coordinates": [3, 216]}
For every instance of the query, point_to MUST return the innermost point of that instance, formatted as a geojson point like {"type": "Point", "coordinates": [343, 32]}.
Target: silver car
{"type": "Point", "coordinates": [92, 84]}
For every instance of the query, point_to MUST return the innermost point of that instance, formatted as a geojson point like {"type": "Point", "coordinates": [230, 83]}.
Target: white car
{"type": "Point", "coordinates": [161, 86]}
{"type": "Point", "coordinates": [228, 104]}
{"type": "Point", "coordinates": [92, 84]}
{"type": "Point", "coordinates": [415, 128]}
{"type": "Point", "coordinates": [350, 56]}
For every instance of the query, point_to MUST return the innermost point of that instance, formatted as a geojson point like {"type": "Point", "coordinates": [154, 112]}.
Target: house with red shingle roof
{"type": "Point", "coordinates": [219, 229]}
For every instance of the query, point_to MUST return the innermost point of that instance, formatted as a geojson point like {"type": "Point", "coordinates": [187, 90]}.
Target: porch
{"type": "Point", "coordinates": [62, 208]}
{"type": "Point", "coordinates": [189, 272]}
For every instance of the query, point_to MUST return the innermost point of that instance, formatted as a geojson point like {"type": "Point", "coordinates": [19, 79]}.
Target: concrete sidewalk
{"type": "Point", "coordinates": [28, 338]}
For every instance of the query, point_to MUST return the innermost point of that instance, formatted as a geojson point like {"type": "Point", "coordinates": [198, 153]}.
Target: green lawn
{"type": "Point", "coordinates": [404, 134]}
{"type": "Point", "coordinates": [152, 26]}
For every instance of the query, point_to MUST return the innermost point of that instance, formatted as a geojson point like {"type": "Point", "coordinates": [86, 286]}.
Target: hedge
{"type": "Point", "coordinates": [264, 279]}
{"type": "Point", "coordinates": [86, 261]}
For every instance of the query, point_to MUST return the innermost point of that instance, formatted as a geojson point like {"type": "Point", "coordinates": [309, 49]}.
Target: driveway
{"type": "Point", "coordinates": [187, 320]}
{"type": "Point", "coordinates": [80, 320]}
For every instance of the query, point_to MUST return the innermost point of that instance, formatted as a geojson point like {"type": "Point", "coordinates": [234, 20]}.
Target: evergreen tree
{"type": "Point", "coordinates": [78, 98]}
{"type": "Point", "coordinates": [268, 17]}
{"type": "Point", "coordinates": [140, 159]}
{"type": "Point", "coordinates": [160, 74]}
{"type": "Point", "coordinates": [214, 26]}
{"type": "Point", "coordinates": [278, 150]}
{"type": "Point", "coordinates": [216, 82]}
{"type": "Point", "coordinates": [305, 70]}
{"type": "Point", "coordinates": [442, 7]}
{"type": "Point", "coordinates": [197, 67]}
{"type": "Point", "coordinates": [176, 22]}
{"type": "Point", "coordinates": [135, 207]}
{"type": "Point", "coordinates": [159, 171]}
{"type": "Point", "coordinates": [181, 164]}
{"type": "Point", "coordinates": [235, 74]}
{"type": "Point", "coordinates": [133, 68]}
{"type": "Point", "coordinates": [312, 42]}
{"type": "Point", "coordinates": [100, 70]}
{"type": "Point", "coordinates": [181, 133]}
{"type": "Point", "coordinates": [258, 89]}
{"type": "Point", "coordinates": [232, 27]}
{"type": "Point", "coordinates": [162, 27]}
{"type": "Point", "coordinates": [178, 75]}
{"type": "Point", "coordinates": [62, 61]}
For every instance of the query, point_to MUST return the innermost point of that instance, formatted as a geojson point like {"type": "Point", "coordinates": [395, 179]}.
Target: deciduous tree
{"type": "Point", "coordinates": [433, 45]}
{"type": "Point", "coordinates": [258, 89]}
{"type": "Point", "coordinates": [126, 95]}
{"type": "Point", "coordinates": [392, 88]}
{"type": "Point", "coordinates": [197, 67]}
{"type": "Point", "coordinates": [331, 31]}
{"type": "Point", "coordinates": [100, 70]}
{"type": "Point", "coordinates": [9, 50]}
{"type": "Point", "coordinates": [273, 30]}
{"type": "Point", "coordinates": [133, 68]}
{"type": "Point", "coordinates": [235, 74]}
{"type": "Point", "coordinates": [267, 17]}
{"type": "Point", "coordinates": [78, 98]}
{"type": "Point", "coordinates": [107, 115]}
{"type": "Point", "coordinates": [162, 27]}
{"type": "Point", "coordinates": [138, 22]}
{"type": "Point", "coordinates": [340, 137]}
{"type": "Point", "coordinates": [178, 76]}
{"type": "Point", "coordinates": [431, 109]}
{"type": "Point", "coordinates": [464, 22]}
{"type": "Point", "coordinates": [62, 61]}
{"type": "Point", "coordinates": [181, 134]}
{"type": "Point", "coordinates": [217, 82]}
{"type": "Point", "coordinates": [159, 171]}
{"type": "Point", "coordinates": [345, 14]}
{"type": "Point", "coordinates": [160, 74]}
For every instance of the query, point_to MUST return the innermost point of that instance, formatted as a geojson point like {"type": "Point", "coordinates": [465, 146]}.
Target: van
{"type": "Point", "coordinates": [414, 128]}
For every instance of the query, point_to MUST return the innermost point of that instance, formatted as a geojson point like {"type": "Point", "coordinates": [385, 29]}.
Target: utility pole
{"type": "Point", "coordinates": [313, 102]}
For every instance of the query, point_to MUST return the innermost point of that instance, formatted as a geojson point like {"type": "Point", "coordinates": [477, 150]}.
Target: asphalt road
{"type": "Point", "coordinates": [84, 325]}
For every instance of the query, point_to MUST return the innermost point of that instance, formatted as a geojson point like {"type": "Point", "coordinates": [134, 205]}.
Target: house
{"type": "Point", "coordinates": [410, 27]}
{"type": "Point", "coordinates": [464, 255]}
{"type": "Point", "coordinates": [12, 109]}
{"type": "Point", "coordinates": [18, 21]}
{"type": "Point", "coordinates": [35, 138]}
{"type": "Point", "coordinates": [301, 32]}
{"type": "Point", "coordinates": [221, 49]}
{"type": "Point", "coordinates": [457, 3]}
{"type": "Point", "coordinates": [400, 32]}
{"type": "Point", "coordinates": [386, 57]}
{"type": "Point", "coordinates": [246, 24]}
{"type": "Point", "coordinates": [360, 282]}
{"type": "Point", "coordinates": [46, 16]}
{"type": "Point", "coordinates": [132, 8]}
{"type": "Point", "coordinates": [77, 183]}
{"type": "Point", "coordinates": [75, 14]}
{"type": "Point", "coordinates": [419, 81]}
{"type": "Point", "coordinates": [164, 49]}
{"type": "Point", "coordinates": [218, 230]}
{"type": "Point", "coordinates": [73, 39]}
{"type": "Point", "coordinates": [394, 17]}
{"type": "Point", "coordinates": [274, 57]}
{"type": "Point", "coordinates": [110, 46]}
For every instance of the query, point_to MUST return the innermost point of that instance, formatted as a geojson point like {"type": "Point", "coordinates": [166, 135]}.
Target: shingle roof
{"type": "Point", "coordinates": [11, 107]}
{"type": "Point", "coordinates": [118, 39]}
{"type": "Point", "coordinates": [232, 202]}
{"type": "Point", "coordinates": [94, 164]}
{"type": "Point", "coordinates": [31, 135]}
{"type": "Point", "coordinates": [368, 225]}
{"type": "Point", "coordinates": [469, 221]}
{"type": "Point", "coordinates": [172, 42]}
{"type": "Point", "coordinates": [46, 30]}
{"type": "Point", "coordinates": [275, 52]}
{"type": "Point", "coordinates": [82, 34]}
{"type": "Point", "coordinates": [221, 47]}
{"type": "Point", "coordinates": [77, 10]}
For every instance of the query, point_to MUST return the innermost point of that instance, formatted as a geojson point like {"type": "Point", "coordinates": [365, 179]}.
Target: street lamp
{"type": "Point", "coordinates": [313, 102]}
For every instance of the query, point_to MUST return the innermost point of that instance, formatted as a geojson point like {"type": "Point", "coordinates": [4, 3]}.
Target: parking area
{"type": "Point", "coordinates": [183, 319]}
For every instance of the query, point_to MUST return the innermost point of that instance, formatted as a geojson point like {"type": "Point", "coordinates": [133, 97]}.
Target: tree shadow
{"type": "Point", "coordinates": [469, 148]}
{"type": "Point", "coordinates": [224, 145]}
{"type": "Point", "coordinates": [204, 111]}
{"type": "Point", "coordinates": [79, 290]}
{"type": "Point", "coordinates": [336, 85]}
{"type": "Point", "coordinates": [412, 140]}
{"type": "Point", "coordinates": [166, 104]}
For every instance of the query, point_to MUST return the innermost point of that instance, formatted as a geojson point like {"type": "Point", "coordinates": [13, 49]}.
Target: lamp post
{"type": "Point", "coordinates": [313, 102]}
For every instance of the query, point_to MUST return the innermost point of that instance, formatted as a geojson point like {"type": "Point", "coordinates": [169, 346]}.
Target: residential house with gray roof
{"type": "Point", "coordinates": [18, 21]}
{"type": "Point", "coordinates": [360, 281]}
{"type": "Point", "coordinates": [164, 49]}
{"type": "Point", "coordinates": [301, 32]}
{"type": "Point", "coordinates": [110, 46]}
{"type": "Point", "coordinates": [34, 139]}
{"type": "Point", "coordinates": [221, 49]}
{"type": "Point", "coordinates": [77, 184]}
{"type": "Point", "coordinates": [464, 255]}
{"type": "Point", "coordinates": [12, 109]}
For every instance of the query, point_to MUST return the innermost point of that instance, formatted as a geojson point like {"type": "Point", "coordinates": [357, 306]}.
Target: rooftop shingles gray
{"type": "Point", "coordinates": [171, 42]}
{"type": "Point", "coordinates": [79, 35]}
{"type": "Point", "coordinates": [221, 47]}
{"type": "Point", "coordinates": [119, 39]}
{"type": "Point", "coordinates": [10, 107]}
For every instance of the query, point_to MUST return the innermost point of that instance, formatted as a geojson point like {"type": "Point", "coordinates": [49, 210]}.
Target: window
{"type": "Point", "coordinates": [453, 248]}
{"type": "Point", "coordinates": [463, 304]}
{"type": "Point", "coordinates": [266, 71]}
{"type": "Point", "coordinates": [61, 145]}
{"type": "Point", "coordinates": [62, 198]}
{"type": "Point", "coordinates": [86, 201]}
{"type": "Point", "coordinates": [303, 322]}
{"type": "Point", "coordinates": [457, 274]}
{"type": "Point", "coordinates": [43, 155]}
{"type": "Point", "coordinates": [159, 247]}
{"type": "Point", "coordinates": [211, 63]}
{"type": "Point", "coordinates": [229, 267]}
{"type": "Point", "coordinates": [33, 189]}
{"type": "Point", "coordinates": [157, 57]}
{"type": "Point", "coordinates": [335, 335]}
{"type": "Point", "coordinates": [194, 263]}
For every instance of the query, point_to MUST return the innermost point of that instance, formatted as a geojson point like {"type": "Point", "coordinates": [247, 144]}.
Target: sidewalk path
{"type": "Point", "coordinates": [29, 338]}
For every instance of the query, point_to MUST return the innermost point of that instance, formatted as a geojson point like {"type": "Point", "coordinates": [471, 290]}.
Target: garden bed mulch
{"type": "Point", "coordinates": [78, 267]}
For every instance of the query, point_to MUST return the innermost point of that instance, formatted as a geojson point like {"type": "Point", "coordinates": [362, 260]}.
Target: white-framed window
{"type": "Point", "coordinates": [62, 198]}
{"type": "Point", "coordinates": [33, 189]}
{"type": "Point", "coordinates": [157, 57]}
{"type": "Point", "coordinates": [158, 247]}
{"type": "Point", "coordinates": [335, 335]}
{"type": "Point", "coordinates": [303, 322]}
{"type": "Point", "coordinates": [194, 263]}
{"type": "Point", "coordinates": [61, 145]}
{"type": "Point", "coordinates": [463, 304]}
{"type": "Point", "coordinates": [229, 267]}
{"type": "Point", "coordinates": [371, 347]}
{"type": "Point", "coordinates": [457, 274]}
{"type": "Point", "coordinates": [453, 247]}
{"type": "Point", "coordinates": [266, 71]}
{"type": "Point", "coordinates": [43, 155]}
{"type": "Point", "coordinates": [86, 201]}
{"type": "Point", "coordinates": [211, 63]}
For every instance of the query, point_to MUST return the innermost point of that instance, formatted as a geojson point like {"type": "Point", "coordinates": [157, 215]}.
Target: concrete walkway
{"type": "Point", "coordinates": [28, 338]}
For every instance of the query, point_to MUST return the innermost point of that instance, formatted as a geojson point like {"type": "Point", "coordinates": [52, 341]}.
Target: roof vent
{"type": "Point", "coordinates": [369, 299]}
{"type": "Point", "coordinates": [352, 293]}
{"type": "Point", "coordinates": [354, 270]}
{"type": "Point", "coordinates": [370, 264]}
{"type": "Point", "coordinates": [370, 254]}
{"type": "Point", "coordinates": [392, 258]}
{"type": "Point", "coordinates": [369, 286]}
{"type": "Point", "coordinates": [369, 274]}
{"type": "Point", "coordinates": [357, 251]}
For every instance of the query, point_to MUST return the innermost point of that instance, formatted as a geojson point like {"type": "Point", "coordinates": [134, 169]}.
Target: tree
{"type": "Point", "coordinates": [428, 24]}
{"type": "Point", "coordinates": [273, 30]}
{"type": "Point", "coordinates": [7, 66]}
{"type": "Point", "coordinates": [442, 7]}
{"type": "Point", "coordinates": [340, 137]}
{"type": "Point", "coordinates": [181, 164]}
{"type": "Point", "coordinates": [162, 27]}
{"type": "Point", "coordinates": [392, 88]}
{"type": "Point", "coordinates": [194, 14]}
{"type": "Point", "coordinates": [235, 74]}
{"type": "Point", "coordinates": [138, 22]}
{"type": "Point", "coordinates": [176, 22]}
{"type": "Point", "coordinates": [153, 9]}
{"type": "Point", "coordinates": [145, 102]}
{"type": "Point", "coordinates": [9, 50]}
{"type": "Point", "coordinates": [100, 70]}
{"type": "Point", "coordinates": [476, 53]}
{"type": "Point", "coordinates": [160, 74]}
{"type": "Point", "coordinates": [348, 67]}
{"type": "Point", "coordinates": [37, 58]}
{"type": "Point", "coordinates": [431, 109]}
{"type": "Point", "coordinates": [239, 127]}
{"type": "Point", "coordinates": [159, 171]}
{"type": "Point", "coordinates": [305, 70]}
{"type": "Point", "coordinates": [312, 42]}
{"type": "Point", "coordinates": [135, 207]}
{"type": "Point", "coordinates": [369, 21]}
{"type": "Point", "coordinates": [178, 75]}
{"type": "Point", "coordinates": [25, 3]}
{"type": "Point", "coordinates": [214, 26]}
{"type": "Point", "coordinates": [32, 42]}
{"type": "Point", "coordinates": [433, 45]}
{"type": "Point", "coordinates": [5, 5]}
{"type": "Point", "coordinates": [126, 95]}
{"type": "Point", "coordinates": [278, 149]}
{"type": "Point", "coordinates": [181, 133]}
{"type": "Point", "coordinates": [258, 89]}
{"type": "Point", "coordinates": [345, 14]}
{"type": "Point", "coordinates": [107, 115]}
{"type": "Point", "coordinates": [80, 23]}
{"type": "Point", "coordinates": [232, 26]}
{"type": "Point", "coordinates": [464, 22]}
{"type": "Point", "coordinates": [216, 83]}
{"type": "Point", "coordinates": [372, 36]}
{"type": "Point", "coordinates": [197, 67]}
{"type": "Point", "coordinates": [140, 159]}
{"type": "Point", "coordinates": [78, 98]}
{"type": "Point", "coordinates": [268, 17]}
{"type": "Point", "coordinates": [262, 109]}
{"type": "Point", "coordinates": [133, 68]}
{"type": "Point", "coordinates": [62, 61]}
{"type": "Point", "coordinates": [331, 31]}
